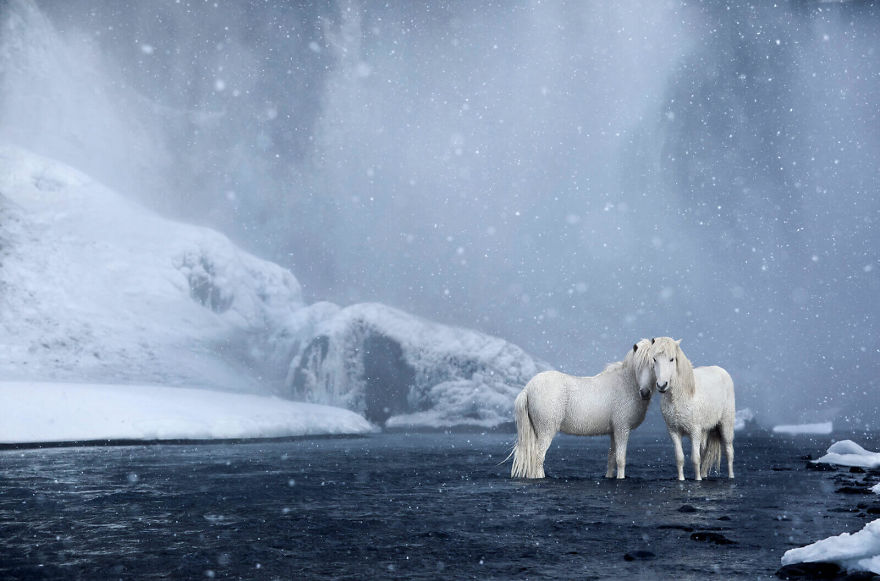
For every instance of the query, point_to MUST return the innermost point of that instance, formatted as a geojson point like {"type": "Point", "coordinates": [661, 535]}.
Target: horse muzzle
{"type": "Point", "coordinates": [645, 393]}
{"type": "Point", "coordinates": [663, 388]}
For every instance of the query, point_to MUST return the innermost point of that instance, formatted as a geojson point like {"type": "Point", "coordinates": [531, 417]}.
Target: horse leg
{"type": "Point", "coordinates": [612, 455]}
{"type": "Point", "coordinates": [679, 453]}
{"type": "Point", "coordinates": [696, 442]}
{"type": "Point", "coordinates": [542, 445]}
{"type": "Point", "coordinates": [620, 454]}
{"type": "Point", "coordinates": [727, 439]}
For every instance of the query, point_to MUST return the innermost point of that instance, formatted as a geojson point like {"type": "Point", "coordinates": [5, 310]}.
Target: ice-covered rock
{"type": "Point", "coordinates": [848, 453]}
{"type": "Point", "coordinates": [401, 370]}
{"type": "Point", "coordinates": [859, 551]}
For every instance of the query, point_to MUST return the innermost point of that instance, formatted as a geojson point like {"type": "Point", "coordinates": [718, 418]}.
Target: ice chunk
{"type": "Point", "coordinates": [859, 551]}
{"type": "Point", "coordinates": [848, 453]}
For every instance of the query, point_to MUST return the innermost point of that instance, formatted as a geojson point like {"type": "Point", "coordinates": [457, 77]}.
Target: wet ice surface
{"type": "Point", "coordinates": [415, 506]}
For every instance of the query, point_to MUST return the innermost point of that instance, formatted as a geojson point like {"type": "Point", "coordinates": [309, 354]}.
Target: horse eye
{"type": "Point", "coordinates": [672, 358]}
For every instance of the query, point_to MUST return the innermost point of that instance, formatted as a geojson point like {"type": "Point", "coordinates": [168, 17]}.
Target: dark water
{"type": "Point", "coordinates": [411, 506]}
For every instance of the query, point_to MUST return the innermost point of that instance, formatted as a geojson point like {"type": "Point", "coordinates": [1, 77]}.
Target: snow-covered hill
{"type": "Point", "coordinates": [95, 288]}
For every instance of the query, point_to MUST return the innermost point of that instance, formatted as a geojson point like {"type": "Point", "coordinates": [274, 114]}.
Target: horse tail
{"type": "Point", "coordinates": [525, 451]}
{"type": "Point", "coordinates": [710, 456]}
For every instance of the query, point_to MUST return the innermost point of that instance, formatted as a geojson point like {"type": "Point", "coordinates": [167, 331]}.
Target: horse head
{"type": "Point", "coordinates": [671, 366]}
{"type": "Point", "coordinates": [643, 367]}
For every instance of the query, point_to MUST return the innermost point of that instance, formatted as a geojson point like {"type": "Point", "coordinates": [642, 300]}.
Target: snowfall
{"type": "Point", "coordinates": [859, 551]}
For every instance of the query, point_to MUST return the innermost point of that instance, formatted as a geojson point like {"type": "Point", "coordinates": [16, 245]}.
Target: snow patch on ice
{"type": "Point", "coordinates": [859, 551]}
{"type": "Point", "coordinates": [821, 428]}
{"type": "Point", "coordinates": [66, 412]}
{"type": "Point", "coordinates": [848, 453]}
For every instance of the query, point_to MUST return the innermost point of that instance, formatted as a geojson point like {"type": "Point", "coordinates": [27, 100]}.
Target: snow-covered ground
{"type": "Point", "coordinates": [821, 428]}
{"type": "Point", "coordinates": [848, 453]}
{"type": "Point", "coordinates": [67, 412]}
{"type": "Point", "coordinates": [859, 551]}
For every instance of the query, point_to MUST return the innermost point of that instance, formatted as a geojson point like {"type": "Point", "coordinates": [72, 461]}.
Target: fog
{"type": "Point", "coordinates": [570, 176]}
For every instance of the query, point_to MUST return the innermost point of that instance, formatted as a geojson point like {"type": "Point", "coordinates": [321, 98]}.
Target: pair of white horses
{"type": "Point", "coordinates": [697, 403]}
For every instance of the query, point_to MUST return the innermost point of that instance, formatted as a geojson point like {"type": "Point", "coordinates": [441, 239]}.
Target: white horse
{"type": "Point", "coordinates": [613, 402]}
{"type": "Point", "coordinates": [698, 403]}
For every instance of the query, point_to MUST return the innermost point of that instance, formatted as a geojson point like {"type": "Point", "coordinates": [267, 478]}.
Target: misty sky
{"type": "Point", "coordinates": [571, 176]}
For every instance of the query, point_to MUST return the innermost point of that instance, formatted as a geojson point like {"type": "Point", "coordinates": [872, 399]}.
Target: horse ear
{"type": "Point", "coordinates": [678, 342]}
{"type": "Point", "coordinates": [635, 347]}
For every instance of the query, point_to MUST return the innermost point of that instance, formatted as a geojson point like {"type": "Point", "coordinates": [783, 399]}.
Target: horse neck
{"type": "Point", "coordinates": [628, 372]}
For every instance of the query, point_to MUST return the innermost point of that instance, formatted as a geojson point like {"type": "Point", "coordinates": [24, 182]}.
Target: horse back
{"type": "Point", "coordinates": [716, 387]}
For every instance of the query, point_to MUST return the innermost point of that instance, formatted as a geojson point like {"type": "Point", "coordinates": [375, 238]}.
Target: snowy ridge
{"type": "Point", "coordinates": [96, 287]}
{"type": "Point", "coordinates": [407, 371]}
{"type": "Point", "coordinates": [59, 412]}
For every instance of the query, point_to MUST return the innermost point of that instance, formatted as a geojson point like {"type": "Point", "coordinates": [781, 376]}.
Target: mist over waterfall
{"type": "Point", "coordinates": [568, 176]}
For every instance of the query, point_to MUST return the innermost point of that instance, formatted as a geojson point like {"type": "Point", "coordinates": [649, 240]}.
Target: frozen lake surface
{"type": "Point", "coordinates": [415, 506]}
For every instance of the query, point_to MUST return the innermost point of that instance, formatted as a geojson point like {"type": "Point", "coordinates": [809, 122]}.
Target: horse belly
{"type": "Point", "coordinates": [587, 422]}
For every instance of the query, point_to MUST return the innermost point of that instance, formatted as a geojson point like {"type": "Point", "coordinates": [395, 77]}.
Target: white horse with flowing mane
{"type": "Point", "coordinates": [613, 402]}
{"type": "Point", "coordinates": [698, 403]}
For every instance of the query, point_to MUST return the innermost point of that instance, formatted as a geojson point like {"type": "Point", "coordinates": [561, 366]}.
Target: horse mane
{"type": "Point", "coordinates": [635, 360]}
{"type": "Point", "coordinates": [641, 355]}
{"type": "Point", "coordinates": [684, 370]}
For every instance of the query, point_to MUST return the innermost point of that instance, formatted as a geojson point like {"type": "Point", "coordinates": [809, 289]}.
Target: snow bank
{"type": "Point", "coordinates": [848, 453]}
{"type": "Point", "coordinates": [859, 551]}
{"type": "Point", "coordinates": [799, 429]}
{"type": "Point", "coordinates": [46, 412]}
{"type": "Point", "coordinates": [397, 368]}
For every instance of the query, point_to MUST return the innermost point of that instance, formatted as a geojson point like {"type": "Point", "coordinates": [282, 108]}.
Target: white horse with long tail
{"type": "Point", "coordinates": [613, 402]}
{"type": "Point", "coordinates": [698, 403]}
